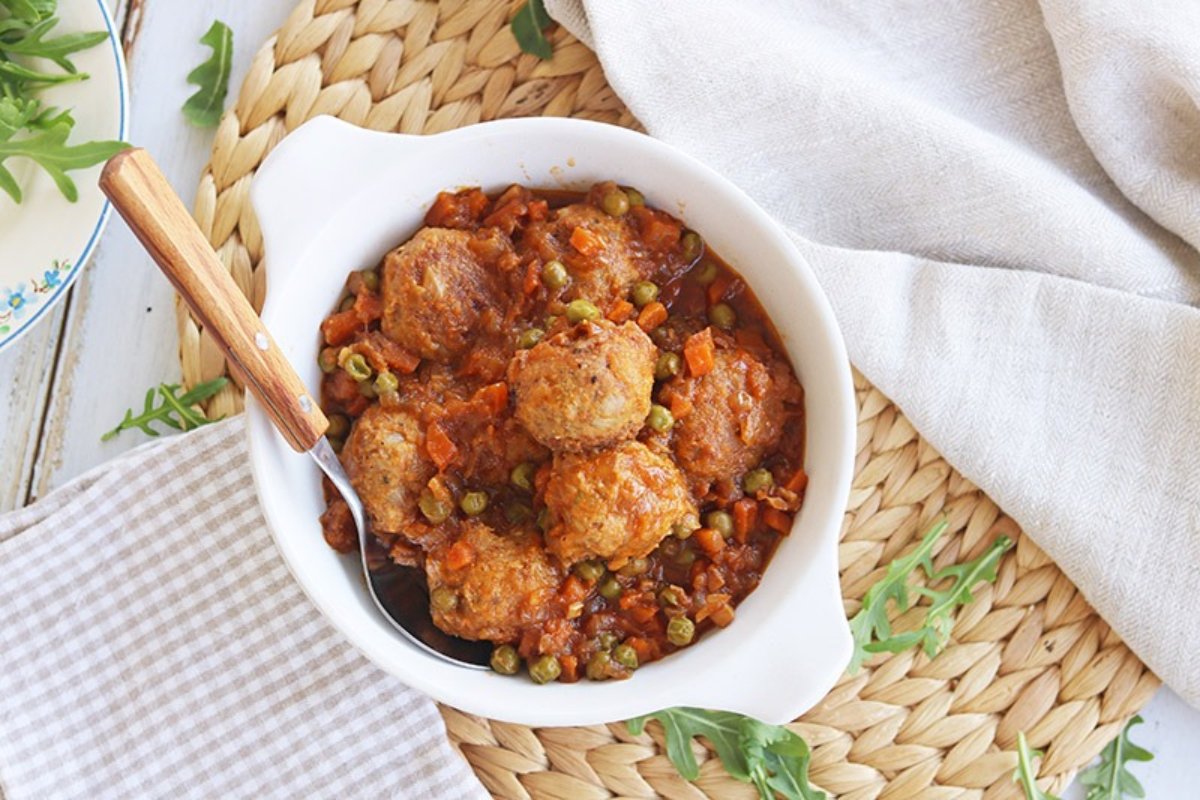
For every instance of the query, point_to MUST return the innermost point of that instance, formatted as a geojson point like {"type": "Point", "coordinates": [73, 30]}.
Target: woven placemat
{"type": "Point", "coordinates": [1028, 654]}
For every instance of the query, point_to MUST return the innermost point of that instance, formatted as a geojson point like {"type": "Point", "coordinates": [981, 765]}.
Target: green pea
{"type": "Point", "coordinates": [435, 510]}
{"type": "Point", "coordinates": [598, 666]}
{"type": "Point", "coordinates": [473, 503]}
{"type": "Point", "coordinates": [606, 640]}
{"type": "Point", "coordinates": [610, 589]}
{"type": "Point", "coordinates": [756, 480]}
{"type": "Point", "coordinates": [518, 512]}
{"type": "Point", "coordinates": [667, 366]}
{"type": "Point", "coordinates": [721, 522]}
{"type": "Point", "coordinates": [386, 383]}
{"type": "Point", "coordinates": [555, 275]}
{"type": "Point", "coordinates": [545, 669]}
{"type": "Point", "coordinates": [644, 293]}
{"type": "Point", "coordinates": [636, 198]}
{"type": "Point", "coordinates": [615, 203]}
{"type": "Point", "coordinates": [522, 476]}
{"type": "Point", "coordinates": [589, 570]}
{"type": "Point", "coordinates": [370, 279]}
{"type": "Point", "coordinates": [529, 338]}
{"type": "Point", "coordinates": [444, 598]}
{"type": "Point", "coordinates": [356, 367]}
{"type": "Point", "coordinates": [505, 660]}
{"type": "Point", "coordinates": [707, 273]}
{"type": "Point", "coordinates": [543, 520]}
{"type": "Point", "coordinates": [339, 426]}
{"type": "Point", "coordinates": [634, 567]}
{"type": "Point", "coordinates": [327, 360]}
{"type": "Point", "coordinates": [723, 316]}
{"type": "Point", "coordinates": [685, 528]}
{"type": "Point", "coordinates": [681, 631]}
{"type": "Point", "coordinates": [660, 418]}
{"type": "Point", "coordinates": [347, 303]}
{"type": "Point", "coordinates": [626, 656]}
{"type": "Point", "coordinates": [367, 390]}
{"type": "Point", "coordinates": [686, 557]}
{"type": "Point", "coordinates": [579, 310]}
{"type": "Point", "coordinates": [670, 596]}
{"type": "Point", "coordinates": [691, 245]}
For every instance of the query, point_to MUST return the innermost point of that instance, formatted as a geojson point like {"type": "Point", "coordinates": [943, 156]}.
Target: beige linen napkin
{"type": "Point", "coordinates": [153, 645]}
{"type": "Point", "coordinates": [1002, 200]}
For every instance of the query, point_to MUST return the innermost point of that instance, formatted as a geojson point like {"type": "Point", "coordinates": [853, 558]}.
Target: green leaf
{"type": "Point", "coordinates": [175, 410]}
{"type": "Point", "coordinates": [771, 757]}
{"type": "Point", "coordinates": [49, 149]}
{"type": "Point", "coordinates": [1025, 774]}
{"type": "Point", "coordinates": [203, 109]}
{"type": "Point", "coordinates": [528, 26]}
{"type": "Point", "coordinates": [871, 627]}
{"type": "Point", "coordinates": [34, 44]}
{"type": "Point", "coordinates": [1110, 779]}
{"type": "Point", "coordinates": [30, 10]}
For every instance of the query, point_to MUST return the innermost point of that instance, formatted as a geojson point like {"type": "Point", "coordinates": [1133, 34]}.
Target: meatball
{"type": "Point", "coordinates": [737, 415]}
{"type": "Point", "coordinates": [435, 289]}
{"type": "Point", "coordinates": [585, 387]}
{"type": "Point", "coordinates": [507, 583]}
{"type": "Point", "coordinates": [614, 504]}
{"type": "Point", "coordinates": [385, 459]}
{"type": "Point", "coordinates": [602, 275]}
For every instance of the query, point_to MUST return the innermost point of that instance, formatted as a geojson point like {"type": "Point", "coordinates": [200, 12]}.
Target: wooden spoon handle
{"type": "Point", "coordinates": [142, 195]}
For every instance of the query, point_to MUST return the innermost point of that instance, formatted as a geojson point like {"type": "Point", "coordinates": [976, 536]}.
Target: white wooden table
{"type": "Point", "coordinates": [71, 378]}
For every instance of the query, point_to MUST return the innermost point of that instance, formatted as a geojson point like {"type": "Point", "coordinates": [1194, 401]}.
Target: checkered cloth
{"type": "Point", "coordinates": [153, 645]}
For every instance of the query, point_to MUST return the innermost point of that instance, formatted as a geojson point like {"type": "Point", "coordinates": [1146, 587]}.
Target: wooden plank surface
{"type": "Point", "coordinates": [71, 377]}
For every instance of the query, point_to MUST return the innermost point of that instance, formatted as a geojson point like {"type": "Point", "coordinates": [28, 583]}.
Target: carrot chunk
{"type": "Point", "coordinates": [586, 242]}
{"type": "Point", "coordinates": [798, 482]}
{"type": "Point", "coordinates": [533, 278]}
{"type": "Point", "coordinates": [700, 353]}
{"type": "Point", "coordinates": [369, 307]}
{"type": "Point", "coordinates": [745, 517]}
{"type": "Point", "coordinates": [653, 315]}
{"type": "Point", "coordinates": [680, 406]}
{"type": "Point", "coordinates": [460, 555]}
{"type": "Point", "coordinates": [709, 541]}
{"type": "Point", "coordinates": [777, 520]}
{"type": "Point", "coordinates": [494, 396]}
{"type": "Point", "coordinates": [719, 287]}
{"type": "Point", "coordinates": [620, 312]}
{"type": "Point", "coordinates": [441, 449]}
{"type": "Point", "coordinates": [340, 328]}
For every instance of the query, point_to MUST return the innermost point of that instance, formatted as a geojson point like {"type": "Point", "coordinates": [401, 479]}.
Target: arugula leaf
{"type": "Point", "coordinates": [871, 628]}
{"type": "Point", "coordinates": [49, 148]}
{"type": "Point", "coordinates": [1025, 774]}
{"type": "Point", "coordinates": [31, 11]}
{"type": "Point", "coordinates": [527, 27]}
{"type": "Point", "coordinates": [203, 109]}
{"type": "Point", "coordinates": [175, 410]}
{"type": "Point", "coordinates": [771, 757]}
{"type": "Point", "coordinates": [34, 44]}
{"type": "Point", "coordinates": [1111, 779]}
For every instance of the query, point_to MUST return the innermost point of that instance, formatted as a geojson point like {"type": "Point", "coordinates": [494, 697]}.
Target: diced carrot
{"type": "Point", "coordinates": [538, 210]}
{"type": "Point", "coordinates": [745, 517]}
{"type": "Point", "coordinates": [340, 328]}
{"type": "Point", "coordinates": [369, 307]}
{"type": "Point", "coordinates": [777, 520]}
{"type": "Point", "coordinates": [494, 396]}
{"type": "Point", "coordinates": [660, 232]}
{"type": "Point", "coordinates": [716, 580]}
{"type": "Point", "coordinates": [586, 242]}
{"type": "Point", "coordinates": [441, 449]}
{"type": "Point", "coordinates": [620, 312]}
{"type": "Point", "coordinates": [573, 589]}
{"type": "Point", "coordinates": [798, 482]}
{"type": "Point", "coordinates": [653, 315]}
{"type": "Point", "coordinates": [641, 647]}
{"type": "Point", "coordinates": [628, 600]}
{"type": "Point", "coordinates": [643, 614]}
{"type": "Point", "coordinates": [460, 555]}
{"type": "Point", "coordinates": [680, 406]}
{"type": "Point", "coordinates": [709, 541]}
{"type": "Point", "coordinates": [722, 616]}
{"type": "Point", "coordinates": [533, 278]}
{"type": "Point", "coordinates": [379, 348]}
{"type": "Point", "coordinates": [750, 338]}
{"type": "Point", "coordinates": [718, 288]}
{"type": "Point", "coordinates": [700, 353]}
{"type": "Point", "coordinates": [570, 668]}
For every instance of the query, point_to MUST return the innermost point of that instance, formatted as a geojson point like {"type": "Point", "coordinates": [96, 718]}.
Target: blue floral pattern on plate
{"type": "Point", "coordinates": [17, 301]}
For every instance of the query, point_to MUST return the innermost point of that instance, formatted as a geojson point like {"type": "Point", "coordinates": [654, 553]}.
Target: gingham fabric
{"type": "Point", "coordinates": [153, 645]}
{"type": "Point", "coordinates": [1002, 200]}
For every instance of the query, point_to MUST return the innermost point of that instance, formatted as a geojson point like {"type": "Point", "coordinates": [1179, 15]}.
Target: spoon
{"type": "Point", "coordinates": [141, 194]}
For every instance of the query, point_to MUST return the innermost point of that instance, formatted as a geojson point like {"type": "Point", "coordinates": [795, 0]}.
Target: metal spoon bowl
{"type": "Point", "coordinates": [142, 196]}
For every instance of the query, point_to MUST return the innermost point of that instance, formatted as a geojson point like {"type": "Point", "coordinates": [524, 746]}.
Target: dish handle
{"type": "Point", "coordinates": [309, 175]}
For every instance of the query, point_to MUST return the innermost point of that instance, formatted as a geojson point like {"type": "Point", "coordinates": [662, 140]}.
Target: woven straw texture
{"type": "Point", "coordinates": [1028, 654]}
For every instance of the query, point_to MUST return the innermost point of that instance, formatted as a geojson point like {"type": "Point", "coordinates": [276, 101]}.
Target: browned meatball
{"type": "Point", "coordinates": [507, 583]}
{"type": "Point", "coordinates": [737, 415]}
{"type": "Point", "coordinates": [385, 459]}
{"type": "Point", "coordinates": [601, 276]}
{"type": "Point", "coordinates": [614, 504]}
{"type": "Point", "coordinates": [435, 288]}
{"type": "Point", "coordinates": [585, 387]}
